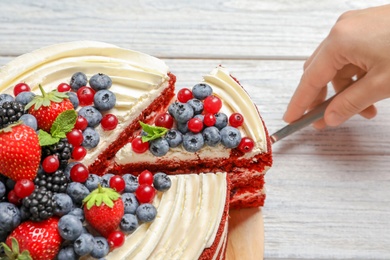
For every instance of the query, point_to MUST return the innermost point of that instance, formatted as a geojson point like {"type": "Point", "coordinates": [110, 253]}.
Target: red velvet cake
{"type": "Point", "coordinates": [119, 167]}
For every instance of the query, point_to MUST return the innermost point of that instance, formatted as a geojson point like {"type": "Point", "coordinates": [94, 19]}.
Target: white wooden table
{"type": "Point", "coordinates": [329, 191]}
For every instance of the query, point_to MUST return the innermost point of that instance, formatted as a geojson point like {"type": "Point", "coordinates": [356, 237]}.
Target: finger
{"type": "Point", "coordinates": [369, 112]}
{"type": "Point", "coordinates": [320, 71]}
{"type": "Point", "coordinates": [358, 98]}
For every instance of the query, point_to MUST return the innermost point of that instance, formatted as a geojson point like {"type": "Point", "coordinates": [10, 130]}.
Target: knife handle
{"type": "Point", "coordinates": [308, 118]}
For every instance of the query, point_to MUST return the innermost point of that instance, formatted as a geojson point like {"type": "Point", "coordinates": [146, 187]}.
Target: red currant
{"type": "Point", "coordinates": [116, 239]}
{"type": "Point", "coordinates": [164, 120]}
{"type": "Point", "coordinates": [246, 145]}
{"type": "Point", "coordinates": [236, 120]}
{"type": "Point", "coordinates": [21, 87]}
{"type": "Point", "coordinates": [184, 95]}
{"type": "Point", "coordinates": [139, 146]}
{"type": "Point", "coordinates": [146, 177]}
{"type": "Point", "coordinates": [23, 188]}
{"type": "Point", "coordinates": [85, 95]}
{"type": "Point", "coordinates": [195, 125]}
{"type": "Point", "coordinates": [13, 198]}
{"type": "Point", "coordinates": [79, 173]}
{"type": "Point", "coordinates": [117, 183]}
{"type": "Point", "coordinates": [212, 104]}
{"type": "Point", "coordinates": [209, 119]}
{"type": "Point", "coordinates": [75, 137]}
{"type": "Point", "coordinates": [109, 122]}
{"type": "Point", "coordinates": [63, 87]}
{"type": "Point", "coordinates": [50, 164]}
{"type": "Point", "coordinates": [145, 193]}
{"type": "Point", "coordinates": [79, 152]}
{"type": "Point", "coordinates": [81, 123]}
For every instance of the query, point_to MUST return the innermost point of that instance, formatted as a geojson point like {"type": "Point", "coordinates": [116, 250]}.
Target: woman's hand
{"type": "Point", "coordinates": [355, 57]}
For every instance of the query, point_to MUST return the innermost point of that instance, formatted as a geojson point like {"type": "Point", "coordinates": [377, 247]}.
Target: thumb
{"type": "Point", "coordinates": [356, 99]}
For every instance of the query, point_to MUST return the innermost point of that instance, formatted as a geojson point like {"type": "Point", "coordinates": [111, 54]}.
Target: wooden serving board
{"type": "Point", "coordinates": [246, 235]}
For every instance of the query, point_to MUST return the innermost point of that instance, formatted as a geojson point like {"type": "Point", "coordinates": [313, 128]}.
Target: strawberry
{"type": "Point", "coordinates": [103, 209]}
{"type": "Point", "coordinates": [20, 153]}
{"type": "Point", "coordinates": [47, 107]}
{"type": "Point", "coordinates": [41, 239]}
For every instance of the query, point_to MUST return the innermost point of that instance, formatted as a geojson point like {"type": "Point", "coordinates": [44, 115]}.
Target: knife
{"type": "Point", "coordinates": [308, 118]}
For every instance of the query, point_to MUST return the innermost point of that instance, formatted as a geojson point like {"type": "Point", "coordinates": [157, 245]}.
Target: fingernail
{"type": "Point", "coordinates": [334, 119]}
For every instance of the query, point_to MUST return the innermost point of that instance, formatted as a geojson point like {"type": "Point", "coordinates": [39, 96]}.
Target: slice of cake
{"type": "Point", "coordinates": [142, 85]}
{"type": "Point", "coordinates": [246, 168]}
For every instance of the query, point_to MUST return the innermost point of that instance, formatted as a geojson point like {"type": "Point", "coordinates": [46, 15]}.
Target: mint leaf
{"type": "Point", "coordinates": [153, 132]}
{"type": "Point", "coordinates": [63, 124]}
{"type": "Point", "coordinates": [46, 139]}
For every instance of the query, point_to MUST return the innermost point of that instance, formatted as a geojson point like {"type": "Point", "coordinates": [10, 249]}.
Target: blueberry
{"type": "Point", "coordinates": [230, 137]}
{"type": "Point", "coordinates": [67, 253]}
{"type": "Point", "coordinates": [182, 127]}
{"type": "Point", "coordinates": [221, 120]}
{"type": "Point", "coordinates": [10, 184]}
{"type": "Point", "coordinates": [83, 245]}
{"type": "Point", "coordinates": [211, 136]}
{"type": "Point", "coordinates": [172, 107]}
{"type": "Point", "coordinates": [77, 212]}
{"type": "Point", "coordinates": [201, 117]}
{"type": "Point", "coordinates": [174, 138]}
{"type": "Point", "coordinates": [104, 100]}
{"type": "Point", "coordinates": [130, 202]}
{"type": "Point", "coordinates": [29, 120]}
{"type": "Point", "coordinates": [74, 99]}
{"type": "Point", "coordinates": [92, 115]}
{"type": "Point", "coordinates": [100, 81]}
{"type": "Point", "coordinates": [92, 182]}
{"type": "Point", "coordinates": [24, 97]}
{"type": "Point", "coordinates": [77, 192]}
{"type": "Point", "coordinates": [131, 182]}
{"type": "Point", "coordinates": [197, 105]}
{"type": "Point", "coordinates": [129, 223]}
{"type": "Point", "coordinates": [183, 112]}
{"type": "Point", "coordinates": [68, 168]}
{"type": "Point", "coordinates": [201, 91]}
{"type": "Point", "coordinates": [161, 181]}
{"type": "Point", "coordinates": [193, 142]}
{"type": "Point", "coordinates": [70, 227]}
{"type": "Point", "coordinates": [91, 138]}
{"type": "Point", "coordinates": [5, 98]}
{"type": "Point", "coordinates": [100, 247]}
{"type": "Point", "coordinates": [159, 147]}
{"type": "Point", "coordinates": [78, 80]}
{"type": "Point", "coordinates": [146, 212]}
{"type": "Point", "coordinates": [105, 180]}
{"type": "Point", "coordinates": [10, 217]}
{"type": "Point", "coordinates": [3, 189]}
{"type": "Point", "coordinates": [63, 204]}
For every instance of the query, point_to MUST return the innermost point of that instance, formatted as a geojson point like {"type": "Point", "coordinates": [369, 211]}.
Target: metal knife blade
{"type": "Point", "coordinates": [308, 118]}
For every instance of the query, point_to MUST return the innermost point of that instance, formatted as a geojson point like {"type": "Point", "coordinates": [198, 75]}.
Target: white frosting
{"type": "Point", "coordinates": [137, 78]}
{"type": "Point", "coordinates": [234, 99]}
{"type": "Point", "coordinates": [188, 218]}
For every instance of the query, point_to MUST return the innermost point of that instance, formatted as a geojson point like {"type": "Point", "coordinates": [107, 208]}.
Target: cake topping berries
{"type": "Point", "coordinates": [193, 121]}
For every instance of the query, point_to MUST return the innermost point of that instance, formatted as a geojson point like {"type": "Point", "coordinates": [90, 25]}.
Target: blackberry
{"type": "Point", "coordinates": [63, 149]}
{"type": "Point", "coordinates": [55, 182]}
{"type": "Point", "coordinates": [10, 112]}
{"type": "Point", "coordinates": [39, 204]}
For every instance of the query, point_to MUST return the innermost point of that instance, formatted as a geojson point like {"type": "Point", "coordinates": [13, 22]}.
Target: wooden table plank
{"type": "Point", "coordinates": [222, 29]}
{"type": "Point", "coordinates": [328, 192]}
